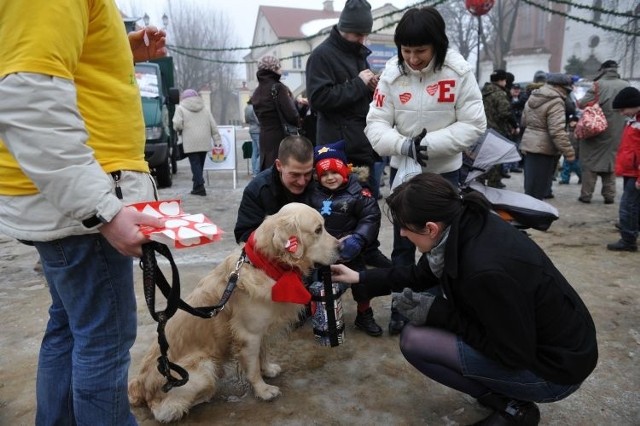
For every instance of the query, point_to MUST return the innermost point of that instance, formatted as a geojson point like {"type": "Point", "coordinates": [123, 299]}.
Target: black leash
{"type": "Point", "coordinates": [152, 276]}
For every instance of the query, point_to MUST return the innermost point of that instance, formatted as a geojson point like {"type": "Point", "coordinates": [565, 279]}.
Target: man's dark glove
{"type": "Point", "coordinates": [350, 247]}
{"type": "Point", "coordinates": [412, 148]}
{"type": "Point", "coordinates": [414, 306]}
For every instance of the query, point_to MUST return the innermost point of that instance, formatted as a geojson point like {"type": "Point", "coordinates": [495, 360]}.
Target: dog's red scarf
{"type": "Point", "coordinates": [288, 286]}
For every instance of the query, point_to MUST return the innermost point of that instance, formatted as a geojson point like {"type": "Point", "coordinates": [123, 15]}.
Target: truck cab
{"type": "Point", "coordinates": [159, 99]}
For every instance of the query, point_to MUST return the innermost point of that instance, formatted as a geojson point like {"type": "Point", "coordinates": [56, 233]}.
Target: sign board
{"type": "Point", "coordinates": [380, 54]}
{"type": "Point", "coordinates": [223, 157]}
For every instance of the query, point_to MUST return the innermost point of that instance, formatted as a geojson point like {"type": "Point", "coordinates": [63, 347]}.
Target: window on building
{"type": "Point", "coordinates": [297, 60]}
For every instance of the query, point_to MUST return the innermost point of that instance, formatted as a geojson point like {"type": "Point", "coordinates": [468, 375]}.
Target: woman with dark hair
{"type": "Point", "coordinates": [498, 322]}
{"type": "Point", "coordinates": [425, 88]}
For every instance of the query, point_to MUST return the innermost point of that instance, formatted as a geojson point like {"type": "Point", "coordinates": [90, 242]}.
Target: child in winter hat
{"type": "Point", "coordinates": [629, 97]}
{"type": "Point", "coordinates": [356, 17]}
{"type": "Point", "coordinates": [627, 102]}
{"type": "Point", "coordinates": [350, 214]}
{"type": "Point", "coordinates": [331, 158]}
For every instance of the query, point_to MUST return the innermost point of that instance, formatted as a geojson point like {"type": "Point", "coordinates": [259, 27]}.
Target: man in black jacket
{"type": "Point", "coordinates": [340, 85]}
{"type": "Point", "coordinates": [340, 88]}
{"type": "Point", "coordinates": [285, 182]}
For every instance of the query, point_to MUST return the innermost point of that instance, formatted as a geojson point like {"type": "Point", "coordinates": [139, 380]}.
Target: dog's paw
{"type": "Point", "coordinates": [271, 370]}
{"type": "Point", "coordinates": [168, 413]}
{"type": "Point", "coordinates": [266, 392]}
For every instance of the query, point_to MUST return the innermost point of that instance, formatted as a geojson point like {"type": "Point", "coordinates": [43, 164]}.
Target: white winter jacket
{"type": "Point", "coordinates": [447, 103]}
{"type": "Point", "coordinates": [197, 125]}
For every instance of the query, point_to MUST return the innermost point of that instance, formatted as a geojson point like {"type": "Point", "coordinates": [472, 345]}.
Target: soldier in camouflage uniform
{"type": "Point", "coordinates": [500, 117]}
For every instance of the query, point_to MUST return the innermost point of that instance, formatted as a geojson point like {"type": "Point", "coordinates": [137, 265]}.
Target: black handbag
{"type": "Point", "coordinates": [289, 129]}
{"type": "Point", "coordinates": [180, 147]}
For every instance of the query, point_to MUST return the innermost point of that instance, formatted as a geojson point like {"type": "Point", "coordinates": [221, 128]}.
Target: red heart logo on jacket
{"type": "Point", "coordinates": [405, 97]}
{"type": "Point", "coordinates": [432, 89]}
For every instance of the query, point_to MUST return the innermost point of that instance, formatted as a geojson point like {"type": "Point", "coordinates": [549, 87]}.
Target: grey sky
{"type": "Point", "coordinates": [242, 13]}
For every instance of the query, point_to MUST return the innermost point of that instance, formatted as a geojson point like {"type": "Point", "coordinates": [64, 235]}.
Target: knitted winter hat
{"type": "Point", "coordinates": [629, 97]}
{"type": "Point", "coordinates": [189, 93]}
{"type": "Point", "coordinates": [356, 17]}
{"type": "Point", "coordinates": [498, 75]}
{"type": "Point", "coordinates": [270, 63]}
{"type": "Point", "coordinates": [331, 157]}
{"type": "Point", "coordinates": [560, 79]}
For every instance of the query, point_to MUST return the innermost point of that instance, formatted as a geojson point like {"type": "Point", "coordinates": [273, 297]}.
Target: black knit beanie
{"type": "Point", "coordinates": [356, 17]}
{"type": "Point", "coordinates": [629, 97]}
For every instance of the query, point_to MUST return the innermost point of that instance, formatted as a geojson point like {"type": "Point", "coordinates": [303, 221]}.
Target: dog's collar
{"type": "Point", "coordinates": [288, 287]}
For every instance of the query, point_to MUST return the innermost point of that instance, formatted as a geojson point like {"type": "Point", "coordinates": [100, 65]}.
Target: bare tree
{"type": "Point", "coordinates": [197, 35]}
{"type": "Point", "coordinates": [462, 27]}
{"type": "Point", "coordinates": [626, 45]}
{"type": "Point", "coordinates": [201, 26]}
{"type": "Point", "coordinates": [497, 35]}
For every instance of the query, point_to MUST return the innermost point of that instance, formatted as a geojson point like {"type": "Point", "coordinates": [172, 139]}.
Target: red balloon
{"type": "Point", "coordinates": [478, 7]}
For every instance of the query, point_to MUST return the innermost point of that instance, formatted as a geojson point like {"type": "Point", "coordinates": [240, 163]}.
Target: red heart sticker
{"type": "Point", "coordinates": [292, 244]}
{"type": "Point", "coordinates": [432, 89]}
{"type": "Point", "coordinates": [405, 97]}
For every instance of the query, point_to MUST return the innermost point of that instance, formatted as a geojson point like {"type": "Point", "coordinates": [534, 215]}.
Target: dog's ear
{"type": "Point", "coordinates": [285, 239]}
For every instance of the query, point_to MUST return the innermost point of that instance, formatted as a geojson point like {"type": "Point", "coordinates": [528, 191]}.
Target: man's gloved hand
{"type": "Point", "coordinates": [412, 148]}
{"type": "Point", "coordinates": [414, 306]}
{"type": "Point", "coordinates": [350, 247]}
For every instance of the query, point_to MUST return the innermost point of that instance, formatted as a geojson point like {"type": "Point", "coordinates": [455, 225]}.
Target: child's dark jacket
{"type": "Point", "coordinates": [351, 209]}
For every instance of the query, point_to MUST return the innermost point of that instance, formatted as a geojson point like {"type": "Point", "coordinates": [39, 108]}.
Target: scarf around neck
{"type": "Point", "coordinates": [288, 287]}
{"type": "Point", "coordinates": [436, 255]}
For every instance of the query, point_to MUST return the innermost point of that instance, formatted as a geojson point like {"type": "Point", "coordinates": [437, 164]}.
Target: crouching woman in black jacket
{"type": "Point", "coordinates": [490, 315]}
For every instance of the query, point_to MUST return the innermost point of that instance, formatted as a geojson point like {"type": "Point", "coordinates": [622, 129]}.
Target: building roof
{"type": "Point", "coordinates": [287, 22]}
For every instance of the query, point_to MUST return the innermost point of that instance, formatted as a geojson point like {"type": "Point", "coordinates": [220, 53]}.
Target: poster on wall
{"type": "Point", "coordinates": [223, 156]}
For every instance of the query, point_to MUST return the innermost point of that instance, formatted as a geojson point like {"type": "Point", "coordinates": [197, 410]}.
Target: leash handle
{"type": "Point", "coordinates": [152, 276]}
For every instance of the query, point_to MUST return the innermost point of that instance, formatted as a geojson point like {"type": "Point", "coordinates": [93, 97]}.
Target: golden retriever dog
{"type": "Point", "coordinates": [293, 238]}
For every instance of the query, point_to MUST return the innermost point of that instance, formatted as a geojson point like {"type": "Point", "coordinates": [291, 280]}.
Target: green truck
{"type": "Point", "coordinates": [159, 99]}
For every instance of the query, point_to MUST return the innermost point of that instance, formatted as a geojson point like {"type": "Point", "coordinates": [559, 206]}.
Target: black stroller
{"type": "Point", "coordinates": [521, 210]}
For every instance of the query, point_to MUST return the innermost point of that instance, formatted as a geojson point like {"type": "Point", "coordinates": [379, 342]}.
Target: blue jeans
{"type": "Point", "coordinates": [523, 385]}
{"type": "Point", "coordinates": [376, 178]}
{"type": "Point", "coordinates": [567, 168]}
{"type": "Point", "coordinates": [255, 153]}
{"type": "Point", "coordinates": [629, 210]}
{"type": "Point", "coordinates": [84, 357]}
{"type": "Point", "coordinates": [196, 160]}
{"type": "Point", "coordinates": [404, 251]}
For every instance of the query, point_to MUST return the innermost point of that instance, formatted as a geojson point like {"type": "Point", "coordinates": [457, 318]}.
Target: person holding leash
{"type": "Point", "coordinates": [71, 158]}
